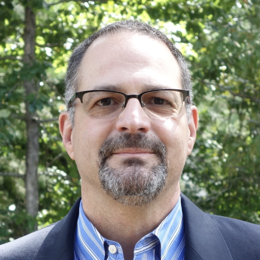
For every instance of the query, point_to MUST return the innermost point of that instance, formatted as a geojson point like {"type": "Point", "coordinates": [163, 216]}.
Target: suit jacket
{"type": "Point", "coordinates": [208, 237]}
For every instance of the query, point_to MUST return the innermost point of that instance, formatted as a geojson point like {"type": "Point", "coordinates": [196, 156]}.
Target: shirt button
{"type": "Point", "coordinates": [112, 249]}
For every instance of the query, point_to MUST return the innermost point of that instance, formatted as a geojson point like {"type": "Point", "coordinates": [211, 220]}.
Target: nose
{"type": "Point", "coordinates": [133, 118]}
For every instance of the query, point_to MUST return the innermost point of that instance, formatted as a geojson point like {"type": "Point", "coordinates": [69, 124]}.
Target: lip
{"type": "Point", "coordinates": [133, 151]}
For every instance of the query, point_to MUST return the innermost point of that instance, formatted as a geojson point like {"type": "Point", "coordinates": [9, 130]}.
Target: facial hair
{"type": "Point", "coordinates": [134, 183]}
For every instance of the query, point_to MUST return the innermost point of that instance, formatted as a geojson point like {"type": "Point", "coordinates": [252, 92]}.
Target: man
{"type": "Point", "coordinates": [130, 125]}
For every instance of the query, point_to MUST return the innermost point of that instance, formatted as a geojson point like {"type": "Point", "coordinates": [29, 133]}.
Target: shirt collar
{"type": "Point", "coordinates": [89, 241]}
{"type": "Point", "coordinates": [171, 231]}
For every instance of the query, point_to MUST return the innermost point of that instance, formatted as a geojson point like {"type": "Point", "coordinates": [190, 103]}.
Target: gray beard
{"type": "Point", "coordinates": [134, 184]}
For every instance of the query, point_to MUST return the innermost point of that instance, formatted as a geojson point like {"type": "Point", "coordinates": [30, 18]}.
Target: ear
{"type": "Point", "coordinates": [193, 126]}
{"type": "Point", "coordinates": [66, 133]}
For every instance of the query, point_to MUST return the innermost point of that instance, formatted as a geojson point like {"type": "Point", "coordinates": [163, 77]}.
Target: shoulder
{"type": "Point", "coordinates": [53, 242]}
{"type": "Point", "coordinates": [25, 248]}
{"type": "Point", "coordinates": [228, 226]}
{"type": "Point", "coordinates": [239, 234]}
{"type": "Point", "coordinates": [235, 225]}
{"type": "Point", "coordinates": [224, 238]}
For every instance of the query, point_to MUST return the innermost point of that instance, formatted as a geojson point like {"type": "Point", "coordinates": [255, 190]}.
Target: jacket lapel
{"type": "Point", "coordinates": [59, 243]}
{"type": "Point", "coordinates": [203, 238]}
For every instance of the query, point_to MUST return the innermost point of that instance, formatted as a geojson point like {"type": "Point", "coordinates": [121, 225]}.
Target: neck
{"type": "Point", "coordinates": [127, 224]}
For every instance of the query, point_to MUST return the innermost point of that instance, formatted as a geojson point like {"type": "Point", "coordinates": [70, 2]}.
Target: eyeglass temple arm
{"type": "Point", "coordinates": [74, 97]}
{"type": "Point", "coordinates": [186, 96]}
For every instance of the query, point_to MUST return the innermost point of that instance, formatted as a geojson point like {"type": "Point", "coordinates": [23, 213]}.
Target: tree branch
{"type": "Point", "coordinates": [55, 119]}
{"type": "Point", "coordinates": [59, 2]}
{"type": "Point", "coordinates": [256, 100]}
{"type": "Point", "coordinates": [22, 118]}
{"type": "Point", "coordinates": [257, 123]}
{"type": "Point", "coordinates": [55, 159]}
{"type": "Point", "coordinates": [47, 45]}
{"type": "Point", "coordinates": [11, 174]}
{"type": "Point", "coordinates": [10, 57]}
{"type": "Point", "coordinates": [17, 175]}
{"type": "Point", "coordinates": [46, 5]}
{"type": "Point", "coordinates": [54, 175]}
{"type": "Point", "coordinates": [63, 1]}
{"type": "Point", "coordinates": [242, 95]}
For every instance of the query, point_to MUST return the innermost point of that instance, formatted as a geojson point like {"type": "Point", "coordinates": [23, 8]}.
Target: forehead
{"type": "Point", "coordinates": [128, 59]}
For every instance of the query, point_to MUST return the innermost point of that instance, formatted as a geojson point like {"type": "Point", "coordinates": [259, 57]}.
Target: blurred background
{"type": "Point", "coordinates": [221, 42]}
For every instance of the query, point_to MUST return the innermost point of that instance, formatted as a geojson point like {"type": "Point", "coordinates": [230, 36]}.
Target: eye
{"type": "Point", "coordinates": [159, 101]}
{"type": "Point", "coordinates": [105, 102]}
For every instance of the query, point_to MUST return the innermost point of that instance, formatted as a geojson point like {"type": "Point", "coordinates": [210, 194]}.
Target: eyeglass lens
{"type": "Point", "coordinates": [109, 105]}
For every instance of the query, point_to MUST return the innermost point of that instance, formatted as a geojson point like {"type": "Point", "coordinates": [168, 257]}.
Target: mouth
{"type": "Point", "coordinates": [127, 147]}
{"type": "Point", "coordinates": [132, 152]}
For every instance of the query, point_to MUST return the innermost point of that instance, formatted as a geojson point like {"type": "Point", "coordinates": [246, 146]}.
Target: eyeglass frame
{"type": "Point", "coordinates": [80, 94]}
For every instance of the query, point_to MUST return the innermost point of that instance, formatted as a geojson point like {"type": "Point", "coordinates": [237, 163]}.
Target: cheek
{"type": "Point", "coordinates": [168, 133]}
{"type": "Point", "coordinates": [175, 137]}
{"type": "Point", "coordinates": [88, 137]}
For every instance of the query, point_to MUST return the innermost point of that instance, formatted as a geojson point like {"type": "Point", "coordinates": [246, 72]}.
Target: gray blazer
{"type": "Point", "coordinates": [208, 237]}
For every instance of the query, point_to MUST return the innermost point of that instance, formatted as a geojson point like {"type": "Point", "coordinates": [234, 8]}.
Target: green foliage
{"type": "Point", "coordinates": [220, 39]}
{"type": "Point", "coordinates": [227, 91]}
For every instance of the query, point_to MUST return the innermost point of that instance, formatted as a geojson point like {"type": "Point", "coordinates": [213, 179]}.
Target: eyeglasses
{"type": "Point", "coordinates": [108, 104]}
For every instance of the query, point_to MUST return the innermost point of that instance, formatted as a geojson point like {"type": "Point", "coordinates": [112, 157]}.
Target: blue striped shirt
{"type": "Point", "coordinates": [166, 242]}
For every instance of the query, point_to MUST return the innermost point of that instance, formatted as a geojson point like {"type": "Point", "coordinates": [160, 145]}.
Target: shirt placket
{"type": "Point", "coordinates": [114, 251]}
{"type": "Point", "coordinates": [146, 253]}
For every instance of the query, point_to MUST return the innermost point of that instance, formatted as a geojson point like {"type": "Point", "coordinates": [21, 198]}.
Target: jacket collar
{"type": "Point", "coordinates": [59, 243]}
{"type": "Point", "coordinates": [203, 238]}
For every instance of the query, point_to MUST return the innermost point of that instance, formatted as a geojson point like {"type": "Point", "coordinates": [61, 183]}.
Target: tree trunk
{"type": "Point", "coordinates": [32, 150]}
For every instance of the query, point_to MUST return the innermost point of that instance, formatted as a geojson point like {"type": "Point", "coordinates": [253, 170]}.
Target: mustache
{"type": "Point", "coordinates": [137, 141]}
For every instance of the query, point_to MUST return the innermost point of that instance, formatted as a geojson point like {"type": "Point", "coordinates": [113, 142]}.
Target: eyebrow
{"type": "Point", "coordinates": [154, 87]}
{"type": "Point", "coordinates": [108, 87]}
{"type": "Point", "coordinates": [120, 89]}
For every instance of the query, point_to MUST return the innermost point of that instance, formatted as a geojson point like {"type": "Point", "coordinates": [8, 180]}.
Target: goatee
{"type": "Point", "coordinates": [134, 183]}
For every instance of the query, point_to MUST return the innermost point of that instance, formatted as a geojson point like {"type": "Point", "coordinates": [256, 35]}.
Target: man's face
{"type": "Point", "coordinates": [134, 156]}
